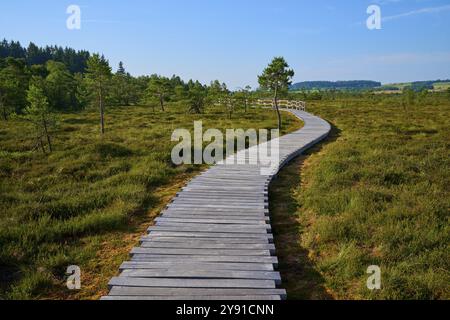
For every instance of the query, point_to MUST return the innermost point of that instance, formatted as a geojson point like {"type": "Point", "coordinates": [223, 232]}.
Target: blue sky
{"type": "Point", "coordinates": [233, 40]}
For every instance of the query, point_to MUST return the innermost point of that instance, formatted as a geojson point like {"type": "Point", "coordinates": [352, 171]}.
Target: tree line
{"type": "Point", "coordinates": [341, 85]}
{"type": "Point", "coordinates": [35, 87]}
{"type": "Point", "coordinates": [76, 61]}
{"type": "Point", "coordinates": [36, 83]}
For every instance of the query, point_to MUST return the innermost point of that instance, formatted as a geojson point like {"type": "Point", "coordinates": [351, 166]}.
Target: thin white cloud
{"type": "Point", "coordinates": [418, 12]}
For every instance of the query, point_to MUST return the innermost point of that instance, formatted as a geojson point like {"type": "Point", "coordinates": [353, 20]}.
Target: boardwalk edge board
{"type": "Point", "coordinates": [214, 241]}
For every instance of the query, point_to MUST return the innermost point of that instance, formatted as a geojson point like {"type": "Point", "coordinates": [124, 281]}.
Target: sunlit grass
{"type": "Point", "coordinates": [377, 193]}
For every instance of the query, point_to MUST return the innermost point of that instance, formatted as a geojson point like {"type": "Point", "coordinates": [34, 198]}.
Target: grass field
{"type": "Point", "coordinates": [442, 86]}
{"type": "Point", "coordinates": [400, 86]}
{"type": "Point", "coordinates": [88, 202]}
{"type": "Point", "coordinates": [376, 193]}
{"type": "Point", "coordinates": [438, 87]}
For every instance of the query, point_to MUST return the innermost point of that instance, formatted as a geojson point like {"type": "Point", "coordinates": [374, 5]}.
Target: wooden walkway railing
{"type": "Point", "coordinates": [286, 104]}
{"type": "Point", "coordinates": [214, 240]}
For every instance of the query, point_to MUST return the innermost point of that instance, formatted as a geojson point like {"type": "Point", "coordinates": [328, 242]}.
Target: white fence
{"type": "Point", "coordinates": [286, 104]}
{"type": "Point", "coordinates": [267, 103]}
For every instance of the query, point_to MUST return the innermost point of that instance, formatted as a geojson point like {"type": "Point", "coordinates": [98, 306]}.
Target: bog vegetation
{"type": "Point", "coordinates": [85, 161]}
{"type": "Point", "coordinates": [376, 193]}
{"type": "Point", "coordinates": [72, 206]}
{"type": "Point", "coordinates": [85, 165]}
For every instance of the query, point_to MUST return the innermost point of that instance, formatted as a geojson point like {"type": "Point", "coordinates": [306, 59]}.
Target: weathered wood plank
{"type": "Point", "coordinates": [207, 245]}
{"type": "Point", "coordinates": [233, 214]}
{"type": "Point", "coordinates": [202, 274]}
{"type": "Point", "coordinates": [201, 252]}
{"type": "Point", "coordinates": [192, 283]}
{"type": "Point", "coordinates": [212, 221]}
{"type": "Point", "coordinates": [202, 258]}
{"type": "Point", "coordinates": [187, 298]}
{"type": "Point", "coordinates": [174, 265]}
{"type": "Point", "coordinates": [194, 227]}
{"type": "Point", "coordinates": [214, 235]}
{"type": "Point", "coordinates": [224, 211]}
{"type": "Point", "coordinates": [216, 229]}
{"type": "Point", "coordinates": [260, 227]}
{"type": "Point", "coordinates": [151, 238]}
{"type": "Point", "coordinates": [193, 292]}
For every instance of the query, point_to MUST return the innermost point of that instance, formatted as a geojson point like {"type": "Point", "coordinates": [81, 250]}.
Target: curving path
{"type": "Point", "coordinates": [214, 241]}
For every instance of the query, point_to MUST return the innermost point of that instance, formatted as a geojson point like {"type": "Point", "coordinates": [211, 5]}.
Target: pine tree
{"type": "Point", "coordinates": [13, 85]}
{"type": "Point", "coordinates": [197, 98]}
{"type": "Point", "coordinates": [8, 85]}
{"type": "Point", "coordinates": [244, 97]}
{"type": "Point", "coordinates": [121, 69]}
{"type": "Point", "coordinates": [98, 76]}
{"type": "Point", "coordinates": [40, 114]}
{"type": "Point", "coordinates": [60, 86]}
{"type": "Point", "coordinates": [276, 78]}
{"type": "Point", "coordinates": [82, 94]}
{"type": "Point", "coordinates": [159, 88]}
{"type": "Point", "coordinates": [123, 88]}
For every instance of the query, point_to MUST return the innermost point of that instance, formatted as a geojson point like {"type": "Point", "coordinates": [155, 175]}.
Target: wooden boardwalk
{"type": "Point", "coordinates": [214, 241]}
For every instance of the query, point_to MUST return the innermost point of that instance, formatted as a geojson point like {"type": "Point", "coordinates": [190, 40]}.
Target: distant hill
{"type": "Point", "coordinates": [437, 85]}
{"type": "Point", "coordinates": [356, 85]}
{"type": "Point", "coordinates": [337, 85]}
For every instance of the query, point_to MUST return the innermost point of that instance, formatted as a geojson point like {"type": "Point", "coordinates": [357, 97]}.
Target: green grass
{"type": "Point", "coordinates": [438, 86]}
{"type": "Point", "coordinates": [300, 277]}
{"type": "Point", "coordinates": [400, 86]}
{"type": "Point", "coordinates": [441, 86]}
{"type": "Point", "coordinates": [87, 203]}
{"type": "Point", "coordinates": [376, 193]}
